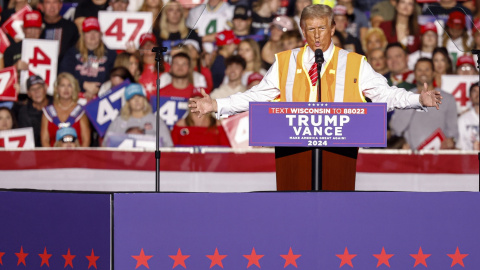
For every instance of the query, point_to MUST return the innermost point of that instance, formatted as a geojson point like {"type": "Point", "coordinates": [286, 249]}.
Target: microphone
{"type": "Point", "coordinates": [319, 57]}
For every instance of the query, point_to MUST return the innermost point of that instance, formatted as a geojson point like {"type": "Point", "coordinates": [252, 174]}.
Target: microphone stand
{"type": "Point", "coordinates": [477, 52]}
{"type": "Point", "coordinates": [317, 152]}
{"type": "Point", "coordinates": [158, 58]}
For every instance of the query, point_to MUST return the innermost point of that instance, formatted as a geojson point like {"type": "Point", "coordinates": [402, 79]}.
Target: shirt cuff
{"type": "Point", "coordinates": [414, 101]}
{"type": "Point", "coordinates": [222, 108]}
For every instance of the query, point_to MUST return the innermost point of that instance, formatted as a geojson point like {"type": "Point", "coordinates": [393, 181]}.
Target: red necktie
{"type": "Point", "coordinates": [313, 74]}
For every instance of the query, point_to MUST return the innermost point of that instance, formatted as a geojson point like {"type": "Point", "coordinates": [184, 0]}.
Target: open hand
{"type": "Point", "coordinates": [430, 98]}
{"type": "Point", "coordinates": [202, 106]}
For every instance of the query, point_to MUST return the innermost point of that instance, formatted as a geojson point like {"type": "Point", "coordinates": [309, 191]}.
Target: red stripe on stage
{"type": "Point", "coordinates": [225, 162]}
{"type": "Point", "coordinates": [427, 163]}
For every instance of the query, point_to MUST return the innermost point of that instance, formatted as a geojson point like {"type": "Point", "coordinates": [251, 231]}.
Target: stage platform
{"type": "Point", "coordinates": [264, 230]}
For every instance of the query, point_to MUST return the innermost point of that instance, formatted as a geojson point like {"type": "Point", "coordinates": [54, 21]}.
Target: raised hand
{"type": "Point", "coordinates": [430, 98]}
{"type": "Point", "coordinates": [202, 106]}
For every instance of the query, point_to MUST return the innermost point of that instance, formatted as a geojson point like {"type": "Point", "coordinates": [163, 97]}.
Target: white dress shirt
{"type": "Point", "coordinates": [373, 85]}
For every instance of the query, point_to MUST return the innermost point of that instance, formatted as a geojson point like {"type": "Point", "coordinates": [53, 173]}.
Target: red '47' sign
{"type": "Point", "coordinates": [8, 79]}
{"type": "Point", "coordinates": [120, 28]}
{"type": "Point", "coordinates": [42, 59]}
{"type": "Point", "coordinates": [17, 138]}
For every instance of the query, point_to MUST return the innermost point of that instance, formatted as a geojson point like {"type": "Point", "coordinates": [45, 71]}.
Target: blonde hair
{"type": "Point", "coordinates": [99, 52]}
{"type": "Point", "coordinates": [374, 31]}
{"type": "Point", "coordinates": [257, 59]}
{"type": "Point", "coordinates": [164, 24]}
{"type": "Point", "coordinates": [317, 11]}
{"type": "Point", "coordinates": [446, 37]}
{"type": "Point", "coordinates": [72, 81]}
{"type": "Point", "coordinates": [126, 113]}
{"type": "Point", "coordinates": [145, 8]}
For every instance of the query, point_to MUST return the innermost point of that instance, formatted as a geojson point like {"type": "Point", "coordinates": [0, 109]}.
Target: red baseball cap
{"type": "Point", "coordinates": [465, 59]}
{"type": "Point", "coordinates": [254, 77]}
{"type": "Point", "coordinates": [456, 19]}
{"type": "Point", "coordinates": [428, 27]}
{"type": "Point", "coordinates": [147, 37]}
{"type": "Point", "coordinates": [89, 24]}
{"type": "Point", "coordinates": [32, 19]}
{"type": "Point", "coordinates": [226, 37]}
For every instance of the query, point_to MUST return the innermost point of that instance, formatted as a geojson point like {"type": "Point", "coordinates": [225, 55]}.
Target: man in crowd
{"type": "Point", "coordinates": [468, 123]}
{"type": "Point", "coordinates": [397, 63]}
{"type": "Point", "coordinates": [417, 127]}
{"type": "Point", "coordinates": [30, 114]}
{"type": "Point", "coordinates": [56, 27]}
{"type": "Point", "coordinates": [235, 67]}
{"type": "Point", "coordinates": [209, 19]}
{"type": "Point", "coordinates": [181, 85]}
{"type": "Point", "coordinates": [242, 20]}
{"type": "Point", "coordinates": [318, 28]}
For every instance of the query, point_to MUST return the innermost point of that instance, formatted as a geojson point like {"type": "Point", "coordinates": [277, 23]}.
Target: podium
{"type": "Point", "coordinates": [316, 143]}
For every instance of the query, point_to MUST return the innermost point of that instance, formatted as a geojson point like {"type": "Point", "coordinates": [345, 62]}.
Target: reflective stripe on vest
{"type": "Point", "coordinates": [340, 80]}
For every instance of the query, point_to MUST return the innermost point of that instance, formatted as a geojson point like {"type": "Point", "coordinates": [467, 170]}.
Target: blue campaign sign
{"type": "Point", "coordinates": [42, 230]}
{"type": "Point", "coordinates": [317, 124]}
{"type": "Point", "coordinates": [299, 230]}
{"type": "Point", "coordinates": [172, 109]}
{"type": "Point", "coordinates": [104, 109]}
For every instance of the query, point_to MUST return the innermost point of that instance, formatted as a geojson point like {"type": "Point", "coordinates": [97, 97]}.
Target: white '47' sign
{"type": "Point", "coordinates": [120, 28]}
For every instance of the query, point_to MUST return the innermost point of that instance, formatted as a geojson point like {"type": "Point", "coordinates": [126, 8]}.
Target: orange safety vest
{"type": "Point", "coordinates": [340, 79]}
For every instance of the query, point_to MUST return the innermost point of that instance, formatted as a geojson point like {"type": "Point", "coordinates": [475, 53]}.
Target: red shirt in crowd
{"type": "Point", "coordinates": [171, 91]}
{"type": "Point", "coordinates": [199, 136]}
{"type": "Point", "coordinates": [413, 41]}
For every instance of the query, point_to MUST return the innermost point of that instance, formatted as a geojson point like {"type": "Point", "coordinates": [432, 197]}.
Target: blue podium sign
{"type": "Point", "coordinates": [318, 124]}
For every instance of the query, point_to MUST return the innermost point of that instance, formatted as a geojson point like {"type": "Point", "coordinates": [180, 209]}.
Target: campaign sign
{"type": "Point", "coordinates": [104, 109]}
{"type": "Point", "coordinates": [318, 124]}
{"type": "Point", "coordinates": [17, 138]}
{"type": "Point", "coordinates": [434, 141]}
{"type": "Point", "coordinates": [45, 230]}
{"type": "Point", "coordinates": [236, 128]}
{"type": "Point", "coordinates": [297, 230]}
{"type": "Point", "coordinates": [42, 58]}
{"type": "Point", "coordinates": [172, 109]}
{"type": "Point", "coordinates": [8, 79]}
{"type": "Point", "coordinates": [120, 28]}
{"type": "Point", "coordinates": [4, 42]}
{"type": "Point", "coordinates": [130, 141]}
{"type": "Point", "coordinates": [14, 25]}
{"type": "Point", "coordinates": [459, 86]}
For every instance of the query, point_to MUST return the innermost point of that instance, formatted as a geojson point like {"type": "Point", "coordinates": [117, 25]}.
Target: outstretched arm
{"type": "Point", "coordinates": [203, 105]}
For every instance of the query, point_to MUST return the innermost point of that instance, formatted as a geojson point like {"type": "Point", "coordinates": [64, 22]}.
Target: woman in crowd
{"type": "Point", "coordinates": [442, 65]}
{"type": "Point", "coordinates": [137, 115]}
{"type": "Point", "coordinates": [374, 39]}
{"type": "Point", "coordinates": [7, 119]}
{"type": "Point", "coordinates": [148, 65]}
{"type": "Point", "coordinates": [130, 61]}
{"type": "Point", "coordinates": [65, 112]}
{"type": "Point", "coordinates": [404, 26]}
{"type": "Point", "coordinates": [194, 131]}
{"type": "Point", "coordinates": [280, 25]}
{"type": "Point", "coordinates": [172, 27]}
{"type": "Point", "coordinates": [456, 38]}
{"type": "Point", "coordinates": [117, 76]}
{"type": "Point", "coordinates": [90, 61]}
{"type": "Point", "coordinates": [429, 41]}
{"type": "Point", "coordinates": [250, 51]}
{"type": "Point", "coordinates": [152, 6]}
{"type": "Point", "coordinates": [377, 60]}
{"type": "Point", "coordinates": [262, 16]}
{"type": "Point", "coordinates": [66, 138]}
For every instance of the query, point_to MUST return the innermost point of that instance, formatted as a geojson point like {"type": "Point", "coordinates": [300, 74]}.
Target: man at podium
{"type": "Point", "coordinates": [293, 77]}
{"type": "Point", "coordinates": [345, 76]}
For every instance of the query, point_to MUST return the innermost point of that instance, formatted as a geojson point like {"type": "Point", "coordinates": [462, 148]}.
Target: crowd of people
{"type": "Point", "coordinates": [226, 47]}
